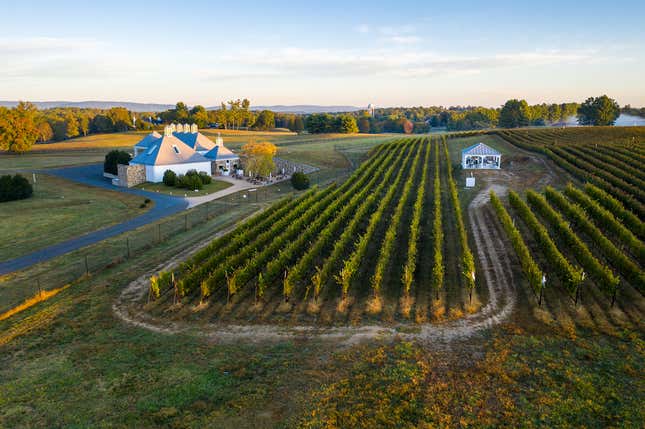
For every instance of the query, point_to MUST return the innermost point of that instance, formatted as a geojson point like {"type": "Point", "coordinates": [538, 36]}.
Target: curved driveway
{"type": "Point", "coordinates": [92, 175]}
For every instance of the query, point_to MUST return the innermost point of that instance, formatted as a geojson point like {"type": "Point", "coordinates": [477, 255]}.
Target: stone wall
{"type": "Point", "coordinates": [131, 175]}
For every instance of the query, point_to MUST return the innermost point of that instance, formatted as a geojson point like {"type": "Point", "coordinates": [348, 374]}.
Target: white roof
{"type": "Point", "coordinates": [479, 149]}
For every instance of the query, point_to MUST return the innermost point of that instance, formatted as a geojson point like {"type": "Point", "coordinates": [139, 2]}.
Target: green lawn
{"type": "Point", "coordinates": [60, 210]}
{"type": "Point", "coordinates": [214, 186]}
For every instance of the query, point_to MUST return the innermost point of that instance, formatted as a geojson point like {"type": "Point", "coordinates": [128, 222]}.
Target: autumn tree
{"type": "Point", "coordinates": [258, 158]}
{"type": "Point", "coordinates": [18, 128]}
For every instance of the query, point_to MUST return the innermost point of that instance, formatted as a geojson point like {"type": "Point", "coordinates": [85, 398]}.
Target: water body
{"type": "Point", "coordinates": [622, 121]}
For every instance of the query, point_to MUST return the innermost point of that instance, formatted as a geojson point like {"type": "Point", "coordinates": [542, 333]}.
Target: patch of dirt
{"type": "Point", "coordinates": [495, 264]}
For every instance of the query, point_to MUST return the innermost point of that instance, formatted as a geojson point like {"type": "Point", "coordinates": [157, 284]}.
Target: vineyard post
{"type": "Point", "coordinates": [159, 232]}
{"type": "Point", "coordinates": [87, 268]}
{"type": "Point", "coordinates": [40, 290]}
{"type": "Point", "coordinates": [127, 242]}
{"type": "Point", "coordinates": [613, 297]}
{"type": "Point", "coordinates": [186, 222]}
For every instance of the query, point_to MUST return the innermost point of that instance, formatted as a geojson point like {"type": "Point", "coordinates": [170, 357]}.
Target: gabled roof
{"type": "Point", "coordinates": [145, 142]}
{"type": "Point", "coordinates": [167, 150]}
{"type": "Point", "coordinates": [197, 141]}
{"type": "Point", "coordinates": [225, 153]}
{"type": "Point", "coordinates": [212, 154]}
{"type": "Point", "coordinates": [479, 149]}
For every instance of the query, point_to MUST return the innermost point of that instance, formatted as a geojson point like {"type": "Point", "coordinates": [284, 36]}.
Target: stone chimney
{"type": "Point", "coordinates": [180, 128]}
{"type": "Point", "coordinates": [167, 130]}
{"type": "Point", "coordinates": [193, 128]}
{"type": "Point", "coordinates": [219, 141]}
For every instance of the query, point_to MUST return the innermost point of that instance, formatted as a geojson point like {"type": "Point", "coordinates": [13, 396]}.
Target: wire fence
{"type": "Point", "coordinates": [110, 252]}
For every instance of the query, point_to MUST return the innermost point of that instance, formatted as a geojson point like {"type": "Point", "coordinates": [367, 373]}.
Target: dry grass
{"type": "Point", "coordinates": [40, 296]}
{"type": "Point", "coordinates": [374, 305]}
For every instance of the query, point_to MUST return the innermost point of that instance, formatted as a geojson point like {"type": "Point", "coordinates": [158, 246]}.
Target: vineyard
{"type": "Point", "coordinates": [584, 242]}
{"type": "Point", "coordinates": [388, 243]}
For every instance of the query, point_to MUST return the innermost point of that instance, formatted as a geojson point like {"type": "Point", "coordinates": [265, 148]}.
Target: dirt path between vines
{"type": "Point", "coordinates": [496, 270]}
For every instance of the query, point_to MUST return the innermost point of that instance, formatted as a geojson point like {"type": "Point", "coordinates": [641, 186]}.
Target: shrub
{"type": "Point", "coordinates": [300, 180]}
{"type": "Point", "coordinates": [205, 178]}
{"type": "Point", "coordinates": [14, 188]}
{"type": "Point", "coordinates": [146, 201]}
{"type": "Point", "coordinates": [189, 181]}
{"type": "Point", "coordinates": [113, 158]}
{"type": "Point", "coordinates": [169, 178]}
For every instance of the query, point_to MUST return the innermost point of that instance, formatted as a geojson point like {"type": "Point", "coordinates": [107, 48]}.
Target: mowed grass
{"type": "Point", "coordinates": [214, 186]}
{"type": "Point", "coordinates": [60, 210]}
{"type": "Point", "coordinates": [320, 150]}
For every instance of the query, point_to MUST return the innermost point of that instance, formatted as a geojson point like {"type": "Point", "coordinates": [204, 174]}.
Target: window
{"type": "Point", "coordinates": [152, 149]}
{"type": "Point", "coordinates": [176, 149]}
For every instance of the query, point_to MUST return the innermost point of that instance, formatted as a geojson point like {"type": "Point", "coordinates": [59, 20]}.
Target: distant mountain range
{"type": "Point", "coordinates": [154, 107]}
{"type": "Point", "coordinates": [134, 107]}
{"type": "Point", "coordinates": [307, 108]}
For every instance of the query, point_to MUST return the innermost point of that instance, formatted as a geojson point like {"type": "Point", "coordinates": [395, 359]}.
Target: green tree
{"type": "Point", "coordinates": [598, 111]}
{"type": "Point", "coordinates": [364, 125]}
{"type": "Point", "coordinates": [514, 114]}
{"type": "Point", "coordinates": [298, 124]}
{"type": "Point", "coordinates": [199, 116]}
{"type": "Point", "coordinates": [114, 158]}
{"type": "Point", "coordinates": [265, 120]}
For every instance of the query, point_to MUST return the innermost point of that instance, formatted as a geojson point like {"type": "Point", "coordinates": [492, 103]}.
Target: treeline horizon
{"type": "Point", "coordinates": [24, 125]}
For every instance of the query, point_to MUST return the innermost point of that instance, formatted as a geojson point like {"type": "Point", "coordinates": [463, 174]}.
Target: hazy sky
{"type": "Point", "coordinates": [332, 52]}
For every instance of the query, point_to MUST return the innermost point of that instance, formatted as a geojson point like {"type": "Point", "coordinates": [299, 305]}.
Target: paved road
{"type": "Point", "coordinates": [92, 175]}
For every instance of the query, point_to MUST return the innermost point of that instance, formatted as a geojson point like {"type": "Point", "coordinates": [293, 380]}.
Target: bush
{"type": "Point", "coordinates": [113, 158]}
{"type": "Point", "coordinates": [300, 180]}
{"type": "Point", "coordinates": [169, 178]}
{"type": "Point", "coordinates": [189, 181]}
{"type": "Point", "coordinates": [14, 188]}
{"type": "Point", "coordinates": [205, 178]}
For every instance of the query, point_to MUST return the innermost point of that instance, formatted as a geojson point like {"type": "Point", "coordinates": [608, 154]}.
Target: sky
{"type": "Point", "coordinates": [394, 53]}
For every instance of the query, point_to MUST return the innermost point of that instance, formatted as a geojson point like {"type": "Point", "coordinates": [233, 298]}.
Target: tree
{"type": "Point", "coordinates": [181, 113]}
{"type": "Point", "coordinates": [347, 124]}
{"type": "Point", "coordinates": [598, 111]}
{"type": "Point", "coordinates": [364, 125]}
{"type": "Point", "coordinates": [298, 125]}
{"type": "Point", "coordinates": [18, 129]}
{"type": "Point", "coordinates": [299, 180]}
{"type": "Point", "coordinates": [45, 132]}
{"type": "Point", "coordinates": [101, 124]}
{"type": "Point", "coordinates": [265, 120]}
{"type": "Point", "coordinates": [514, 114]}
{"type": "Point", "coordinates": [14, 188]}
{"type": "Point", "coordinates": [199, 116]}
{"type": "Point", "coordinates": [121, 118]}
{"type": "Point", "coordinates": [114, 158]}
{"type": "Point", "coordinates": [407, 126]}
{"type": "Point", "coordinates": [258, 158]}
{"type": "Point", "coordinates": [169, 178]}
{"type": "Point", "coordinates": [84, 124]}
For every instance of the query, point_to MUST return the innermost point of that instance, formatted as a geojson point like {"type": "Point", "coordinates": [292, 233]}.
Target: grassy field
{"type": "Point", "coordinates": [325, 151]}
{"type": "Point", "coordinates": [214, 186]}
{"type": "Point", "coordinates": [60, 210]}
{"type": "Point", "coordinates": [71, 364]}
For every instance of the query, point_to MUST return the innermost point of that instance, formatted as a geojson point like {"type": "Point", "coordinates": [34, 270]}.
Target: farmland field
{"type": "Point", "coordinates": [345, 253]}
{"type": "Point", "coordinates": [563, 356]}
